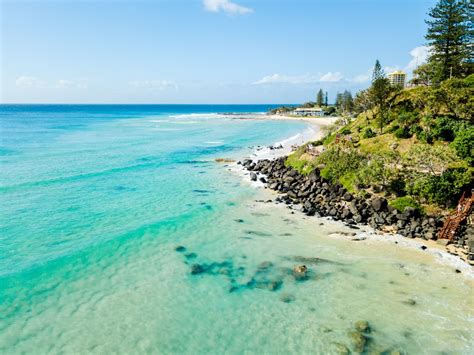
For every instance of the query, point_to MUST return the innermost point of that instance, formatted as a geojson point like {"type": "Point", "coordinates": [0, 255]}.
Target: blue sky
{"type": "Point", "coordinates": [202, 51]}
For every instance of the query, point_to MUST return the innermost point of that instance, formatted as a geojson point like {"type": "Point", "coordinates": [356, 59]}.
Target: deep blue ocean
{"type": "Point", "coordinates": [95, 200]}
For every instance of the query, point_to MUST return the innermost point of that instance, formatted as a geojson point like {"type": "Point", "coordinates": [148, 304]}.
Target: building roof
{"type": "Point", "coordinates": [398, 72]}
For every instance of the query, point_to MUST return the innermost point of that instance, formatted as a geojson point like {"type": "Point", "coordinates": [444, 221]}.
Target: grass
{"type": "Point", "coordinates": [300, 161]}
{"type": "Point", "coordinates": [401, 203]}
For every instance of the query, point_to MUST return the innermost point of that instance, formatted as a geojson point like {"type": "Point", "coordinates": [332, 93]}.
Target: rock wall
{"type": "Point", "coordinates": [320, 197]}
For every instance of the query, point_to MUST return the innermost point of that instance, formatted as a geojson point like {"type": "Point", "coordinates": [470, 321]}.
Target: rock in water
{"type": "Point", "coordinates": [287, 298]}
{"type": "Point", "coordinates": [362, 326]}
{"type": "Point", "coordinates": [358, 341]}
{"type": "Point", "coordinates": [300, 273]}
{"type": "Point", "coordinates": [253, 177]}
{"type": "Point", "coordinates": [197, 269]}
{"type": "Point", "coordinates": [180, 249]}
{"type": "Point", "coordinates": [341, 349]}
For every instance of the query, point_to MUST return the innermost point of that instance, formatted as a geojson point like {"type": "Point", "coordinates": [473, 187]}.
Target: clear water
{"type": "Point", "coordinates": [95, 199]}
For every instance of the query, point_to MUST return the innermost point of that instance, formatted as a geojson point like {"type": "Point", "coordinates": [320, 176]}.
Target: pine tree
{"type": "Point", "coordinates": [326, 99]}
{"type": "Point", "coordinates": [378, 72]}
{"type": "Point", "coordinates": [347, 101]}
{"type": "Point", "coordinates": [450, 36]}
{"type": "Point", "coordinates": [379, 93]}
{"type": "Point", "coordinates": [319, 98]}
{"type": "Point", "coordinates": [339, 101]}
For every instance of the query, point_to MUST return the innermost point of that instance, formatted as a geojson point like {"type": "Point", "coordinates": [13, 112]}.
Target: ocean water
{"type": "Point", "coordinates": [96, 200]}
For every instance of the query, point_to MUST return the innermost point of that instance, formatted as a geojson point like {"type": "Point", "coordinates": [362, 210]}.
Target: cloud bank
{"type": "Point", "coordinates": [419, 55]}
{"type": "Point", "coordinates": [154, 84]}
{"type": "Point", "coordinates": [226, 6]}
{"type": "Point", "coordinates": [299, 79]}
{"type": "Point", "coordinates": [29, 82]}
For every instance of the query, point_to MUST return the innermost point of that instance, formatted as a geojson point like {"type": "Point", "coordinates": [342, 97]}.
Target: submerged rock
{"type": "Point", "coordinates": [358, 341]}
{"type": "Point", "coordinates": [409, 302]}
{"type": "Point", "coordinates": [362, 326]}
{"type": "Point", "coordinates": [341, 349]}
{"type": "Point", "coordinates": [287, 298]}
{"type": "Point", "coordinates": [300, 273]}
{"type": "Point", "coordinates": [197, 269]}
{"type": "Point", "coordinates": [190, 255]}
{"type": "Point", "coordinates": [264, 266]}
{"type": "Point", "coordinates": [180, 249]}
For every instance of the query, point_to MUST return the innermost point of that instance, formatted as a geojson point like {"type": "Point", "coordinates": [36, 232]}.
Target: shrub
{"type": "Point", "coordinates": [407, 118]}
{"type": "Point", "coordinates": [393, 128]}
{"type": "Point", "coordinates": [463, 144]}
{"type": "Point", "coordinates": [434, 159]}
{"type": "Point", "coordinates": [402, 132]}
{"type": "Point", "coordinates": [379, 169]}
{"type": "Point", "coordinates": [415, 129]}
{"type": "Point", "coordinates": [296, 161]}
{"type": "Point", "coordinates": [346, 131]}
{"type": "Point", "coordinates": [401, 203]}
{"type": "Point", "coordinates": [368, 133]}
{"type": "Point", "coordinates": [397, 186]}
{"type": "Point", "coordinates": [442, 189]}
{"type": "Point", "coordinates": [339, 161]}
{"type": "Point", "coordinates": [446, 128]}
{"type": "Point", "coordinates": [424, 136]}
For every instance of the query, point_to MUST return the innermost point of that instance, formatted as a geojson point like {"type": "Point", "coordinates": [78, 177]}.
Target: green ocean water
{"type": "Point", "coordinates": [96, 199]}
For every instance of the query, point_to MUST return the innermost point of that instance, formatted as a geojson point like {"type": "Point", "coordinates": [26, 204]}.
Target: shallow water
{"type": "Point", "coordinates": [95, 201]}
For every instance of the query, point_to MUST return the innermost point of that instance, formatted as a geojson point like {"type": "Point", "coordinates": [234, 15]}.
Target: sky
{"type": "Point", "coordinates": [202, 51]}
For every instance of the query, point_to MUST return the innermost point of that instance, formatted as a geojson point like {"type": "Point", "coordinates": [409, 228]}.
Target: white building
{"type": "Point", "coordinates": [397, 78]}
{"type": "Point", "coordinates": [316, 111]}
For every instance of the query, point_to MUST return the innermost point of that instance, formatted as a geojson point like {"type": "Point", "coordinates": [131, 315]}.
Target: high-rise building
{"type": "Point", "coordinates": [397, 78]}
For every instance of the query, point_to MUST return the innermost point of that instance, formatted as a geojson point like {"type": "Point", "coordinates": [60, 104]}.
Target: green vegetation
{"type": "Point", "coordinates": [401, 203]}
{"type": "Point", "coordinates": [320, 98]}
{"type": "Point", "coordinates": [415, 145]}
{"type": "Point", "coordinates": [450, 37]}
{"type": "Point", "coordinates": [301, 161]}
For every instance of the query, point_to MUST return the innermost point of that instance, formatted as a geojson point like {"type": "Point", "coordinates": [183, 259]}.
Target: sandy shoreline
{"type": "Point", "coordinates": [366, 234]}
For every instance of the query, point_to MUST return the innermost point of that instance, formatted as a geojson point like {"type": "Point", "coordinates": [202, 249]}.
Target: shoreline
{"type": "Point", "coordinates": [443, 254]}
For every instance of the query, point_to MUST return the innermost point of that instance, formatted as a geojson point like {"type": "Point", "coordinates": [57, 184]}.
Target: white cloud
{"type": "Point", "coordinates": [331, 77]}
{"type": "Point", "coordinates": [226, 6]}
{"type": "Point", "coordinates": [287, 79]}
{"type": "Point", "coordinates": [63, 83]}
{"type": "Point", "coordinates": [300, 79]}
{"type": "Point", "coordinates": [26, 81]}
{"type": "Point", "coordinates": [362, 78]}
{"type": "Point", "coordinates": [419, 55]}
{"type": "Point", "coordinates": [154, 84]}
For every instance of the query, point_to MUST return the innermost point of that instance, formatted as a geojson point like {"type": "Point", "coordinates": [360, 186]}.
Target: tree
{"type": "Point", "coordinates": [423, 75]}
{"type": "Point", "coordinates": [450, 39]}
{"type": "Point", "coordinates": [431, 159]}
{"type": "Point", "coordinates": [347, 101]}
{"type": "Point", "coordinates": [378, 72]}
{"type": "Point", "coordinates": [338, 101]}
{"type": "Point", "coordinates": [320, 98]}
{"type": "Point", "coordinates": [363, 101]}
{"type": "Point", "coordinates": [379, 93]}
{"type": "Point", "coordinates": [463, 144]}
{"type": "Point", "coordinates": [326, 99]}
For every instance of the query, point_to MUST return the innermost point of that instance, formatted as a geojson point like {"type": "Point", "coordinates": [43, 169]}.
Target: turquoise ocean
{"type": "Point", "coordinates": [106, 208]}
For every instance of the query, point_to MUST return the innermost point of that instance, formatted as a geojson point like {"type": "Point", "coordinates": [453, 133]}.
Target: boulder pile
{"type": "Point", "coordinates": [320, 197]}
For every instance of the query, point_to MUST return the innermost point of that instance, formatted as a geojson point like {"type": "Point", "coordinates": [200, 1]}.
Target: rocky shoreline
{"type": "Point", "coordinates": [317, 196]}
